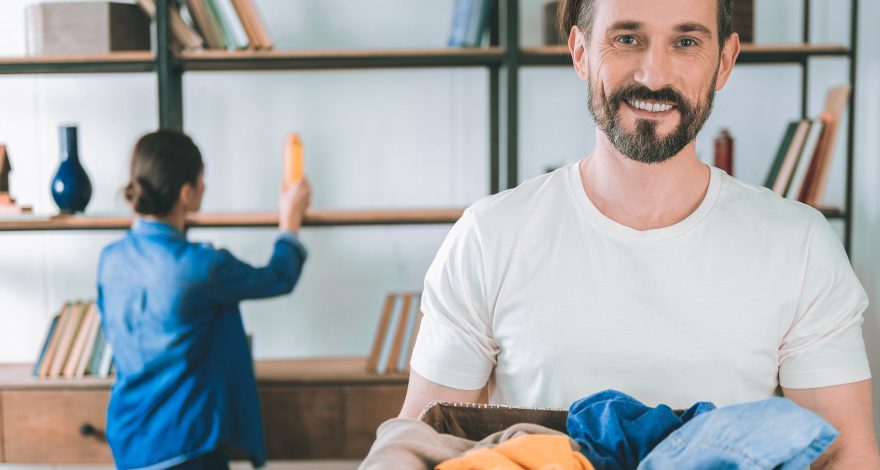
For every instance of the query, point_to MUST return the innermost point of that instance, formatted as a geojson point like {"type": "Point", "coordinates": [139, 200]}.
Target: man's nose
{"type": "Point", "coordinates": [655, 70]}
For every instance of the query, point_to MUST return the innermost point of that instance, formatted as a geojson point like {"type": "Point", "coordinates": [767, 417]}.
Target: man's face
{"type": "Point", "coordinates": [652, 69]}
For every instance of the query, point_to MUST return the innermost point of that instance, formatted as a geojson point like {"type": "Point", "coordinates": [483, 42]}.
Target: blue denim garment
{"type": "Point", "coordinates": [769, 434]}
{"type": "Point", "coordinates": [616, 431]}
{"type": "Point", "coordinates": [185, 382]}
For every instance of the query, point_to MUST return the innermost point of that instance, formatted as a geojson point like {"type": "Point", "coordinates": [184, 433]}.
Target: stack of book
{"type": "Point", "coordinates": [803, 160]}
{"type": "Point", "coordinates": [215, 24]}
{"type": "Point", "coordinates": [470, 20]}
{"type": "Point", "coordinates": [396, 335]}
{"type": "Point", "coordinates": [75, 345]}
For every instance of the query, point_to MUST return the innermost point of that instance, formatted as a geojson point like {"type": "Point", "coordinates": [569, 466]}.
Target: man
{"type": "Point", "coordinates": [641, 269]}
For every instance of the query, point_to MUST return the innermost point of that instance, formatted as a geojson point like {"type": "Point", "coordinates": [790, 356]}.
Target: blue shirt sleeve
{"type": "Point", "coordinates": [233, 280]}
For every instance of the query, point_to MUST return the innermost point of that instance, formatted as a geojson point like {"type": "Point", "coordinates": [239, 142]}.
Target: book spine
{"type": "Point", "coordinates": [219, 21]}
{"type": "Point", "coordinates": [460, 15]}
{"type": "Point", "coordinates": [52, 325]}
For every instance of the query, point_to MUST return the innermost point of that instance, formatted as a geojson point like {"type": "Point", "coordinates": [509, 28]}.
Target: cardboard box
{"type": "Point", "coordinates": [86, 28]}
{"type": "Point", "coordinates": [478, 421]}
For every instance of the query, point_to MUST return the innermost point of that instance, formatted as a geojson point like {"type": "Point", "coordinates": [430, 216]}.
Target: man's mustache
{"type": "Point", "coordinates": [643, 93]}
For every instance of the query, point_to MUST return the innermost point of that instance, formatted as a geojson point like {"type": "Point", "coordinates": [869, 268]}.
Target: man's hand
{"type": "Point", "coordinates": [848, 408]}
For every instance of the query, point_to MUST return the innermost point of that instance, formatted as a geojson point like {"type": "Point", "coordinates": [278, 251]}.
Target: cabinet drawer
{"type": "Point", "coordinates": [52, 426]}
{"type": "Point", "coordinates": [366, 407]}
{"type": "Point", "coordinates": [302, 422]}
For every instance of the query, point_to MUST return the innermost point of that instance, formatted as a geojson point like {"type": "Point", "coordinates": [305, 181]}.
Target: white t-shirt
{"type": "Point", "coordinates": [537, 292]}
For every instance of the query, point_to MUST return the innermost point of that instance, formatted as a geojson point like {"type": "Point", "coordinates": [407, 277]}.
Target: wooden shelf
{"type": "Point", "coordinates": [749, 54]}
{"type": "Point", "coordinates": [119, 62]}
{"type": "Point", "coordinates": [281, 372]}
{"type": "Point", "coordinates": [378, 58]}
{"type": "Point", "coordinates": [268, 219]}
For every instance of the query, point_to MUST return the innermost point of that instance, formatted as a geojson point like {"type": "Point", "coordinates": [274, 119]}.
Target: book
{"type": "Point", "coordinates": [481, 22]}
{"type": "Point", "coordinates": [780, 153]}
{"type": "Point", "coordinates": [106, 361]}
{"type": "Point", "coordinates": [836, 102]}
{"type": "Point", "coordinates": [381, 332]}
{"type": "Point", "coordinates": [461, 14]}
{"type": "Point", "coordinates": [399, 337]}
{"type": "Point", "coordinates": [248, 23]}
{"type": "Point", "coordinates": [65, 342]}
{"type": "Point", "coordinates": [183, 33]}
{"type": "Point", "coordinates": [265, 40]}
{"type": "Point", "coordinates": [79, 342]}
{"type": "Point", "coordinates": [92, 333]}
{"type": "Point", "coordinates": [97, 353]}
{"type": "Point", "coordinates": [783, 179]}
{"type": "Point", "coordinates": [409, 339]}
{"type": "Point", "coordinates": [224, 28]}
{"type": "Point", "coordinates": [238, 38]}
{"type": "Point", "coordinates": [46, 342]}
{"type": "Point", "coordinates": [806, 157]}
{"type": "Point", "coordinates": [206, 24]}
{"type": "Point", "coordinates": [64, 317]}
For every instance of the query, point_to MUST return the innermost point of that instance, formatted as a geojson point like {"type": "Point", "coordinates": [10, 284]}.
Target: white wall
{"type": "Point", "coordinates": [389, 138]}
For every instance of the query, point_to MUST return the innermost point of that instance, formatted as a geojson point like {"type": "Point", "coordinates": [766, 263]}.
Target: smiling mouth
{"type": "Point", "coordinates": [650, 106]}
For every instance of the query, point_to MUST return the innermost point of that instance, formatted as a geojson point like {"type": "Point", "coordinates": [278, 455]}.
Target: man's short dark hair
{"type": "Point", "coordinates": [580, 13]}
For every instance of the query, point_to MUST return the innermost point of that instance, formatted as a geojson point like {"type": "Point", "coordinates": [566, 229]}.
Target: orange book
{"type": "Point", "coordinates": [293, 160]}
{"type": "Point", "coordinates": [65, 342]}
{"type": "Point", "coordinates": [836, 102]}
{"type": "Point", "coordinates": [79, 343]}
{"type": "Point", "coordinates": [64, 317]}
{"type": "Point", "coordinates": [90, 331]}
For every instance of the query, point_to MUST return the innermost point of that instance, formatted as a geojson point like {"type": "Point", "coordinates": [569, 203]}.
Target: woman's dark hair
{"type": "Point", "coordinates": [161, 163]}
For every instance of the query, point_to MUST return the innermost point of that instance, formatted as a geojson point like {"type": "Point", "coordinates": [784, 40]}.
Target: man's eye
{"type": "Point", "coordinates": [627, 40]}
{"type": "Point", "coordinates": [687, 42]}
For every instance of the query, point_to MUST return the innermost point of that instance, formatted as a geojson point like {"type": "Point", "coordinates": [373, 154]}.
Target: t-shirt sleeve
{"type": "Point", "coordinates": [454, 347]}
{"type": "Point", "coordinates": [824, 346]}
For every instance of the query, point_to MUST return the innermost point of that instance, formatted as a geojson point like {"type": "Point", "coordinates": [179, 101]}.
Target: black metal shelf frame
{"type": "Point", "coordinates": [503, 62]}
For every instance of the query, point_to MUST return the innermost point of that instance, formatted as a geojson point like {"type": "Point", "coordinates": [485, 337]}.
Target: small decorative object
{"type": "Point", "coordinates": [93, 27]}
{"type": "Point", "coordinates": [552, 35]}
{"type": "Point", "coordinates": [293, 159]}
{"type": "Point", "coordinates": [71, 187]}
{"type": "Point", "coordinates": [396, 334]}
{"type": "Point", "coordinates": [7, 202]}
{"type": "Point", "coordinates": [724, 151]}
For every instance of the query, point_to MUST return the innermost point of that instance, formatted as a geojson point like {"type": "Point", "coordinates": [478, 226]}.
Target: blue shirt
{"type": "Point", "coordinates": [184, 373]}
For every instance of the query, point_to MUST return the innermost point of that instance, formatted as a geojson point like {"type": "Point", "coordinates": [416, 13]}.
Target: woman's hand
{"type": "Point", "coordinates": [292, 207]}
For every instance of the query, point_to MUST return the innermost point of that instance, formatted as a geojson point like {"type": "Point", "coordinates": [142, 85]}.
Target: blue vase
{"type": "Point", "coordinates": [71, 187]}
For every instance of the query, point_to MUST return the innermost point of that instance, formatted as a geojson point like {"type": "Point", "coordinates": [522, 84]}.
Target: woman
{"type": "Point", "coordinates": [185, 389]}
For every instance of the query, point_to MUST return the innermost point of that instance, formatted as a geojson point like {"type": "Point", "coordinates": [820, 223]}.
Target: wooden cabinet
{"type": "Point", "coordinates": [55, 426]}
{"type": "Point", "coordinates": [314, 409]}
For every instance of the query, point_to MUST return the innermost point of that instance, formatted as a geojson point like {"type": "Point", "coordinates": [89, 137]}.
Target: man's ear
{"type": "Point", "coordinates": [577, 46]}
{"type": "Point", "coordinates": [728, 58]}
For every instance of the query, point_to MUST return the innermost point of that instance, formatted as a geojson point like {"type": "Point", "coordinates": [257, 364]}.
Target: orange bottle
{"type": "Point", "coordinates": [293, 160]}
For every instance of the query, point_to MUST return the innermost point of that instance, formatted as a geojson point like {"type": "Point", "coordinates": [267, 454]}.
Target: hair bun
{"type": "Point", "coordinates": [142, 196]}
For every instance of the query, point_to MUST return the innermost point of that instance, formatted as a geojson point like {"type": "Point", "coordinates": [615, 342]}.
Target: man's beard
{"type": "Point", "coordinates": [643, 144]}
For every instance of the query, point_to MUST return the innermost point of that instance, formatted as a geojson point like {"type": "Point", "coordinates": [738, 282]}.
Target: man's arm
{"type": "Point", "coordinates": [422, 391]}
{"type": "Point", "coordinates": [848, 408]}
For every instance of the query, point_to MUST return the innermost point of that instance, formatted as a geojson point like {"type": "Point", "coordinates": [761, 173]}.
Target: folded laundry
{"type": "Point", "coordinates": [769, 434]}
{"type": "Point", "coordinates": [616, 431]}
{"type": "Point", "coordinates": [412, 444]}
{"type": "Point", "coordinates": [525, 452]}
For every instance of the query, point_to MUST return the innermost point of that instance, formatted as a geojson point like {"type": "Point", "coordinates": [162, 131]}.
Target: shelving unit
{"type": "Point", "coordinates": [503, 58]}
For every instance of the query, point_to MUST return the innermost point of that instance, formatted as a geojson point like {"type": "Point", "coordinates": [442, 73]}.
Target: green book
{"type": "Point", "coordinates": [214, 9]}
{"type": "Point", "coordinates": [780, 153]}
